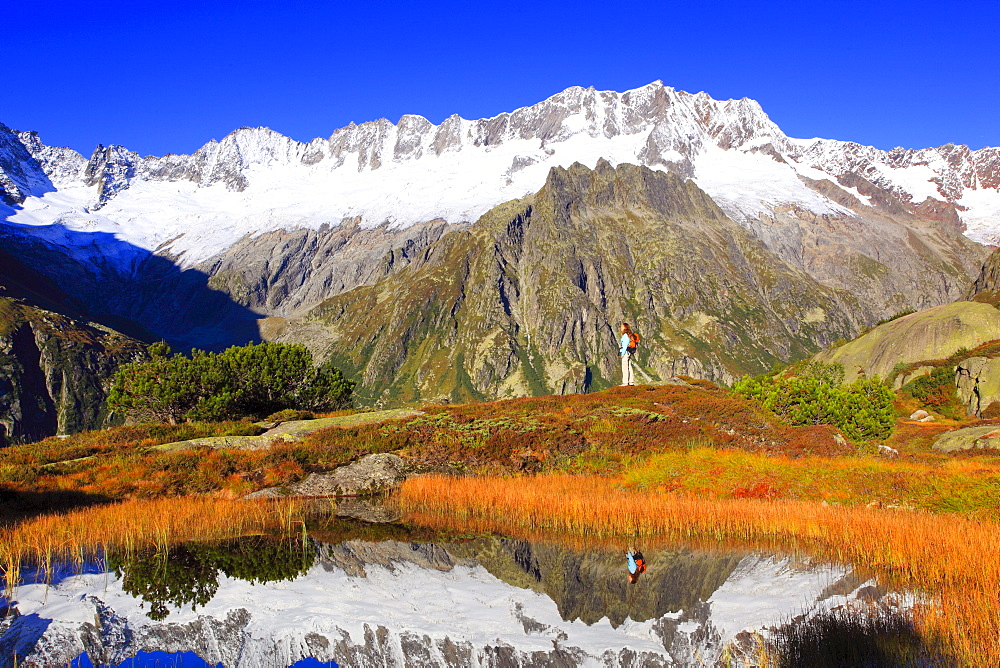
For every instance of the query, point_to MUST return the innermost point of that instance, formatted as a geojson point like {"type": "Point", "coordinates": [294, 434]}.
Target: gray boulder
{"type": "Point", "coordinates": [969, 438]}
{"type": "Point", "coordinates": [372, 474]}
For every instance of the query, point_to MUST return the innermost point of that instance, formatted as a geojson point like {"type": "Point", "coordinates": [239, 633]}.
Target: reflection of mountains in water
{"type": "Point", "coordinates": [389, 596]}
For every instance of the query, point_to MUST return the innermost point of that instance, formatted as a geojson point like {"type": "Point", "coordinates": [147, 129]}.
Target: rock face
{"type": "Point", "coordinates": [285, 273]}
{"type": "Point", "coordinates": [55, 372]}
{"type": "Point", "coordinates": [933, 334]}
{"type": "Point", "coordinates": [372, 474]}
{"type": "Point", "coordinates": [969, 438]}
{"type": "Point", "coordinates": [986, 287]}
{"type": "Point", "coordinates": [528, 299]}
{"type": "Point", "coordinates": [977, 380]}
{"type": "Point", "coordinates": [55, 365]}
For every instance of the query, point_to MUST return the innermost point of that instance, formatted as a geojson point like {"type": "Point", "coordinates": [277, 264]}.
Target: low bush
{"type": "Point", "coordinates": [288, 415]}
{"type": "Point", "coordinates": [862, 410]}
{"type": "Point", "coordinates": [251, 380]}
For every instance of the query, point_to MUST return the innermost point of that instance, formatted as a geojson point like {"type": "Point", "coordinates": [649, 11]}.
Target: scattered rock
{"type": "Point", "coordinates": [919, 415]}
{"type": "Point", "coordinates": [369, 475]}
{"type": "Point", "coordinates": [928, 418]}
{"type": "Point", "coordinates": [969, 438]}
{"type": "Point", "coordinates": [887, 451]}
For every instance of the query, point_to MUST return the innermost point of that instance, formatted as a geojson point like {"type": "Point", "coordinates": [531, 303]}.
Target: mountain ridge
{"type": "Point", "coordinates": [252, 172]}
{"type": "Point", "coordinates": [259, 236]}
{"type": "Point", "coordinates": [526, 300]}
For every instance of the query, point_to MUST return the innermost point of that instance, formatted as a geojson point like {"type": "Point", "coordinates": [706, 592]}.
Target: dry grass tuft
{"type": "Point", "coordinates": [133, 525]}
{"type": "Point", "coordinates": [955, 560]}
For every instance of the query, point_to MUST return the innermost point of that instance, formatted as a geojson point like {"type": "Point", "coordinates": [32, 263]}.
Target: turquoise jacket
{"type": "Point", "coordinates": [632, 566]}
{"type": "Point", "coordinates": [624, 344]}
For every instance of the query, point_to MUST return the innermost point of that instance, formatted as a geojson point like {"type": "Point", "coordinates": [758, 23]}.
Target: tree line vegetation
{"type": "Point", "coordinates": [244, 381]}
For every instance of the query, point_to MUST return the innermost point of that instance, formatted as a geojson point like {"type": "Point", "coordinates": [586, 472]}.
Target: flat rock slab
{"type": "Point", "coordinates": [969, 438]}
{"type": "Point", "coordinates": [290, 432]}
{"type": "Point", "coordinates": [372, 474]}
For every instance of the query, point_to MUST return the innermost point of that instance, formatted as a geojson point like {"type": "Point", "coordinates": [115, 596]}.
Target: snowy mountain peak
{"type": "Point", "coordinates": [256, 180]}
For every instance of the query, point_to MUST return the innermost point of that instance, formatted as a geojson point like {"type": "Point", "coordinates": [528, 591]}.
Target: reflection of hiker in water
{"type": "Point", "coordinates": [636, 565]}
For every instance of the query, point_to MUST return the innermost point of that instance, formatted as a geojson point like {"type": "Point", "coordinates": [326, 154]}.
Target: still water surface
{"type": "Point", "coordinates": [357, 593]}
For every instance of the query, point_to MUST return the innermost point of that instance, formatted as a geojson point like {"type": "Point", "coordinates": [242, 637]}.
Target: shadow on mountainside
{"type": "Point", "coordinates": [95, 276]}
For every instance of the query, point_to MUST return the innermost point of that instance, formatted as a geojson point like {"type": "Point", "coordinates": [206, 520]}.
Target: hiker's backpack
{"type": "Point", "coordinates": [640, 562]}
{"type": "Point", "coordinates": [633, 340]}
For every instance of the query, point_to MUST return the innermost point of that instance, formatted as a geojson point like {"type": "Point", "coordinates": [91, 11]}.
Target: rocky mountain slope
{"type": "Point", "coordinates": [197, 248]}
{"type": "Point", "coordinates": [959, 341]}
{"type": "Point", "coordinates": [933, 334]}
{"type": "Point", "coordinates": [55, 369]}
{"type": "Point", "coordinates": [527, 300]}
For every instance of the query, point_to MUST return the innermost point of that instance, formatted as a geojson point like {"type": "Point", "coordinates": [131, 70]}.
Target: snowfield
{"type": "Point", "coordinates": [379, 173]}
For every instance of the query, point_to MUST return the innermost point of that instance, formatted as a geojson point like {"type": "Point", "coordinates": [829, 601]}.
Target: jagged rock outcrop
{"type": "Point", "coordinates": [55, 372]}
{"type": "Point", "coordinates": [257, 226]}
{"type": "Point", "coordinates": [977, 383]}
{"type": "Point", "coordinates": [986, 287]}
{"type": "Point", "coordinates": [21, 175]}
{"type": "Point", "coordinates": [527, 300]}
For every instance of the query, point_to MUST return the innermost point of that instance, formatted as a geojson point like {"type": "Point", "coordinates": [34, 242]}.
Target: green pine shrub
{"type": "Point", "coordinates": [243, 381]}
{"type": "Point", "coordinates": [862, 410]}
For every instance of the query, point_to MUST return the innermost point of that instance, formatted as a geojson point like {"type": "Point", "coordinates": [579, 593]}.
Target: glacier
{"type": "Point", "coordinates": [193, 207]}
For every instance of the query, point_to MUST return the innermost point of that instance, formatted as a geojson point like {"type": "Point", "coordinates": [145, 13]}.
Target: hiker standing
{"type": "Point", "coordinates": [636, 565]}
{"type": "Point", "coordinates": [629, 340]}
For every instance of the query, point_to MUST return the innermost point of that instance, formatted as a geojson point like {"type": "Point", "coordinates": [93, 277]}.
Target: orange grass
{"type": "Point", "coordinates": [967, 485]}
{"type": "Point", "coordinates": [955, 560]}
{"type": "Point", "coordinates": [136, 524]}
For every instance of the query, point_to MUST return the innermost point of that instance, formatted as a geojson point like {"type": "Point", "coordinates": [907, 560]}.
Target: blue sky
{"type": "Point", "coordinates": [168, 76]}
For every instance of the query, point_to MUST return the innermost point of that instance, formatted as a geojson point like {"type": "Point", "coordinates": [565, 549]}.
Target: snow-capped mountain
{"type": "Point", "coordinates": [379, 173]}
{"type": "Point", "coordinates": [732, 245]}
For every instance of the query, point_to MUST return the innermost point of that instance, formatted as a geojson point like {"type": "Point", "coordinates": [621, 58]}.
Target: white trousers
{"type": "Point", "coordinates": [628, 378]}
